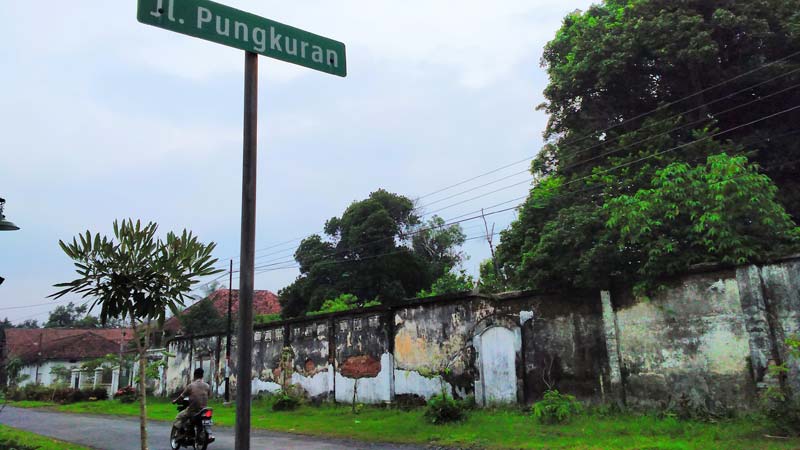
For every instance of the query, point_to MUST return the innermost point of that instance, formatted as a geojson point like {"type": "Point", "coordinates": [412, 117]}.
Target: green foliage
{"type": "Point", "coordinates": [202, 318]}
{"type": "Point", "coordinates": [723, 211]}
{"type": "Point", "coordinates": [61, 374]}
{"type": "Point", "coordinates": [262, 319]}
{"type": "Point", "coordinates": [106, 361]}
{"type": "Point", "coordinates": [778, 404]}
{"type": "Point", "coordinates": [556, 407]}
{"type": "Point", "coordinates": [71, 316]}
{"type": "Point", "coordinates": [13, 367]}
{"type": "Point", "coordinates": [438, 245]}
{"type": "Point", "coordinates": [55, 394]}
{"type": "Point", "coordinates": [344, 302]}
{"type": "Point", "coordinates": [12, 438]}
{"type": "Point", "coordinates": [443, 409]}
{"type": "Point", "coordinates": [486, 428]}
{"type": "Point", "coordinates": [377, 249]}
{"type": "Point", "coordinates": [285, 400]}
{"type": "Point", "coordinates": [138, 276]}
{"type": "Point", "coordinates": [449, 283]}
{"type": "Point", "coordinates": [491, 281]}
{"type": "Point", "coordinates": [28, 323]}
{"type": "Point", "coordinates": [610, 67]}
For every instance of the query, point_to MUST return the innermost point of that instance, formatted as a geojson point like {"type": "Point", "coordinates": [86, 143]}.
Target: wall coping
{"type": "Point", "coordinates": [466, 296]}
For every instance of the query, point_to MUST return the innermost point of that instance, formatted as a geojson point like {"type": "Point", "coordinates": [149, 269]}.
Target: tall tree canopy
{"type": "Point", "coordinates": [648, 100]}
{"type": "Point", "coordinates": [77, 316]}
{"type": "Point", "coordinates": [377, 250]}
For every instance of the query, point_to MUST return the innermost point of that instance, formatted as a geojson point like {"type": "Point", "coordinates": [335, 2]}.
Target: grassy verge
{"type": "Point", "coordinates": [483, 428]}
{"type": "Point", "coordinates": [13, 438]}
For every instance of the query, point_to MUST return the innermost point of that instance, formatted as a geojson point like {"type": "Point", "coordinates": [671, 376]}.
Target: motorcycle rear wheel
{"type": "Point", "coordinates": [200, 439]}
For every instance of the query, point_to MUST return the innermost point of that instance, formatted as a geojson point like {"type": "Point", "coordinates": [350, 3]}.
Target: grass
{"type": "Point", "coordinates": [500, 428]}
{"type": "Point", "coordinates": [13, 438]}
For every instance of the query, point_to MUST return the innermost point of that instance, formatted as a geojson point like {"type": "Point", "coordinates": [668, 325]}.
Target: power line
{"type": "Point", "coordinates": [453, 221]}
{"type": "Point", "coordinates": [641, 141]}
{"type": "Point", "coordinates": [605, 130]}
{"type": "Point", "coordinates": [695, 94]}
{"type": "Point", "coordinates": [604, 143]}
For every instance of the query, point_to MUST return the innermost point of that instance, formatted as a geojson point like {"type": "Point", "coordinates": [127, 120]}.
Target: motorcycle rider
{"type": "Point", "coordinates": [198, 392]}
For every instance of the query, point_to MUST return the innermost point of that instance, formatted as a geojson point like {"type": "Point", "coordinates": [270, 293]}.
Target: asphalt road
{"type": "Point", "coordinates": [104, 432]}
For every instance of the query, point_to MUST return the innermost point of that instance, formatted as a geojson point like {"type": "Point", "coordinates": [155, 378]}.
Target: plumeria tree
{"type": "Point", "coordinates": [137, 276]}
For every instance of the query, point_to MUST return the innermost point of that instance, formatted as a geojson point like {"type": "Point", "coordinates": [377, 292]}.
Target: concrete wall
{"type": "Point", "coordinates": [705, 340]}
{"type": "Point", "coordinates": [43, 371]}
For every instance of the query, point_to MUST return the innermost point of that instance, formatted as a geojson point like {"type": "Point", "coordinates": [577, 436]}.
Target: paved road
{"type": "Point", "coordinates": [104, 432]}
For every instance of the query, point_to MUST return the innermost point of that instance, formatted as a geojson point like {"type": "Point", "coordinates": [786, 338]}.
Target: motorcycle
{"type": "Point", "coordinates": [197, 430]}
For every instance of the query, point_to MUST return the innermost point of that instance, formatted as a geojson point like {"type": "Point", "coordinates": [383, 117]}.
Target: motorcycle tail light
{"type": "Point", "coordinates": [208, 413]}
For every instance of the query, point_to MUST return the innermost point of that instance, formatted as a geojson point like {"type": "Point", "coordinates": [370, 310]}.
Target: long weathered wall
{"type": "Point", "coordinates": [706, 339]}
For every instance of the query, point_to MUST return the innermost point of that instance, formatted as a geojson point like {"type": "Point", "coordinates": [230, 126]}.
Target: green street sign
{"type": "Point", "coordinates": [235, 28]}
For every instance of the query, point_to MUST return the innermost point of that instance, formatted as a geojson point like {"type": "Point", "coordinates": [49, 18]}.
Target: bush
{"type": "Point", "coordinates": [75, 396]}
{"type": "Point", "coordinates": [556, 407]}
{"type": "Point", "coordinates": [126, 394]}
{"type": "Point", "coordinates": [37, 392]}
{"type": "Point", "coordinates": [443, 409]}
{"type": "Point", "coordinates": [778, 403]}
{"type": "Point", "coordinates": [15, 394]}
{"type": "Point", "coordinates": [97, 394]}
{"type": "Point", "coordinates": [285, 401]}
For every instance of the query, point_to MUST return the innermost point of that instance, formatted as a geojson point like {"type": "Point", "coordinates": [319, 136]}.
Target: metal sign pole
{"type": "Point", "coordinates": [228, 337]}
{"type": "Point", "coordinates": [247, 259]}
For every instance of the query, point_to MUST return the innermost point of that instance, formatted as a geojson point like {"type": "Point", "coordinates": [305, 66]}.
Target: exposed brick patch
{"type": "Point", "coordinates": [361, 367]}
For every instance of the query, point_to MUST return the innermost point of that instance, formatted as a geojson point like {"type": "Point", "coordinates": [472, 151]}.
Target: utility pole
{"type": "Point", "coordinates": [228, 338]}
{"type": "Point", "coordinates": [491, 246]}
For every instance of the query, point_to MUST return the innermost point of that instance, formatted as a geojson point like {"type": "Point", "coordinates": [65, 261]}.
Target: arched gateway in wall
{"type": "Point", "coordinates": [498, 354]}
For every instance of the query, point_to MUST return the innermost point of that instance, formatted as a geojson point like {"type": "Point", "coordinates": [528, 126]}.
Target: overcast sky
{"type": "Point", "coordinates": [104, 118]}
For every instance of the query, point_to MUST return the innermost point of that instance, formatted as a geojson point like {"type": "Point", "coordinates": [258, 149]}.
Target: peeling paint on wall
{"type": "Point", "coordinates": [413, 383]}
{"type": "Point", "coordinates": [707, 338]}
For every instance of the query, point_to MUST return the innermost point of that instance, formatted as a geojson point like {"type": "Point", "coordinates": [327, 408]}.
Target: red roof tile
{"type": "Point", "coordinates": [63, 343]}
{"type": "Point", "coordinates": [264, 302]}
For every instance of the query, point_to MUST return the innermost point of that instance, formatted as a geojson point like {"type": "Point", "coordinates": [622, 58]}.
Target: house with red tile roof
{"type": "Point", "coordinates": [264, 302]}
{"type": "Point", "coordinates": [41, 349]}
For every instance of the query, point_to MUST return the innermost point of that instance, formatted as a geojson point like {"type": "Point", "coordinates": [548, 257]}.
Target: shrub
{"type": "Point", "coordinates": [344, 302]}
{"type": "Point", "coordinates": [37, 392]}
{"type": "Point", "coordinates": [443, 409]}
{"type": "Point", "coordinates": [262, 319]}
{"type": "Point", "coordinates": [75, 396]}
{"type": "Point", "coordinates": [556, 407]}
{"type": "Point", "coordinates": [285, 401]}
{"type": "Point", "coordinates": [15, 394]}
{"type": "Point", "coordinates": [97, 394]}
{"type": "Point", "coordinates": [779, 404]}
{"type": "Point", "coordinates": [126, 394]}
{"type": "Point", "coordinates": [60, 395]}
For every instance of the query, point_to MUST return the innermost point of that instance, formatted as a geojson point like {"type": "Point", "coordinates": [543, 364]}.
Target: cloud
{"type": "Point", "coordinates": [479, 42]}
{"type": "Point", "coordinates": [105, 118]}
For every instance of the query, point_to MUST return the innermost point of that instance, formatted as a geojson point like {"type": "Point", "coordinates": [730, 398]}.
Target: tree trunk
{"type": "Point", "coordinates": [142, 349]}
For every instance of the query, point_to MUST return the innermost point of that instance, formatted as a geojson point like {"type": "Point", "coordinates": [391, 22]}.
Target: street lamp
{"type": "Point", "coordinates": [5, 225]}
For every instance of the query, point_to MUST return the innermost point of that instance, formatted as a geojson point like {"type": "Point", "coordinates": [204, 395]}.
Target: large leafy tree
{"type": "Point", "coordinates": [137, 276]}
{"type": "Point", "coordinates": [636, 86]}
{"type": "Point", "coordinates": [202, 318]}
{"type": "Point", "coordinates": [377, 250]}
{"type": "Point", "coordinates": [76, 316]}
